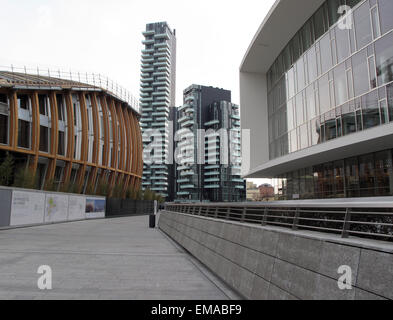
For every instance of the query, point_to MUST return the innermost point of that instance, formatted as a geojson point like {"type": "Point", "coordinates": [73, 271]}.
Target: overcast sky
{"type": "Point", "coordinates": [105, 37]}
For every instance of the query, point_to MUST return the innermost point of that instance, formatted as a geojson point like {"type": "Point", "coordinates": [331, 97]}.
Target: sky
{"type": "Point", "coordinates": [105, 37]}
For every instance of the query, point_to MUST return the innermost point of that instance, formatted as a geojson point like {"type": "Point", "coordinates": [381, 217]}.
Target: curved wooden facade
{"type": "Point", "coordinates": [70, 133]}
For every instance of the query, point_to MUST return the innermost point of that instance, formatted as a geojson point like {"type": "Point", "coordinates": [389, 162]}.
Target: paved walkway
{"type": "Point", "coordinates": [102, 259]}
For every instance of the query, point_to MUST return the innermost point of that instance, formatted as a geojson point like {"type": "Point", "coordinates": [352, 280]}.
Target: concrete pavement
{"type": "Point", "coordinates": [102, 259]}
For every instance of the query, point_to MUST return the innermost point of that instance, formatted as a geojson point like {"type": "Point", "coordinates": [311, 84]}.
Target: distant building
{"type": "Point", "coordinates": [266, 191]}
{"type": "Point", "coordinates": [253, 193]}
{"type": "Point", "coordinates": [207, 171]}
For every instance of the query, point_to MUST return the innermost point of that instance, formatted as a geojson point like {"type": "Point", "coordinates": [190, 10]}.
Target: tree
{"type": "Point", "coordinates": [6, 171]}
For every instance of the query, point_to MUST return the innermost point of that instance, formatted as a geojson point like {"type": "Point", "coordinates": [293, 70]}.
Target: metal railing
{"type": "Point", "coordinates": [371, 219]}
{"type": "Point", "coordinates": [92, 79]}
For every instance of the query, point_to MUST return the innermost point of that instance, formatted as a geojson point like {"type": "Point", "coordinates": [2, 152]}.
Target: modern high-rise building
{"type": "Point", "coordinates": [317, 95]}
{"type": "Point", "coordinates": [158, 94]}
{"type": "Point", "coordinates": [208, 147]}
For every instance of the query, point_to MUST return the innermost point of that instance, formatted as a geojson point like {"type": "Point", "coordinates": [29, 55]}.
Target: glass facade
{"type": "Point", "coordinates": [368, 175]}
{"type": "Point", "coordinates": [331, 81]}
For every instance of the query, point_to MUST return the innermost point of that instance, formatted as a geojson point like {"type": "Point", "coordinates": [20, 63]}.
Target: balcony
{"type": "Point", "coordinates": [190, 98]}
{"type": "Point", "coordinates": [183, 193]}
{"type": "Point", "coordinates": [161, 73]}
{"type": "Point", "coordinates": [160, 114]}
{"type": "Point", "coordinates": [147, 99]}
{"type": "Point", "coordinates": [160, 94]}
{"type": "Point", "coordinates": [148, 33]}
{"type": "Point", "coordinates": [237, 180]}
{"type": "Point", "coordinates": [187, 174]}
{"type": "Point", "coordinates": [148, 42]}
{"type": "Point", "coordinates": [213, 186]}
{"type": "Point", "coordinates": [183, 119]}
{"type": "Point", "coordinates": [212, 180]}
{"type": "Point", "coordinates": [159, 167]}
{"type": "Point", "coordinates": [158, 189]}
{"type": "Point", "coordinates": [213, 173]}
{"type": "Point", "coordinates": [212, 167]}
{"type": "Point", "coordinates": [189, 123]}
{"type": "Point", "coordinates": [236, 117]}
{"type": "Point", "coordinates": [160, 103]}
{"type": "Point", "coordinates": [147, 51]}
{"type": "Point", "coordinates": [146, 81]}
{"type": "Point", "coordinates": [162, 45]}
{"type": "Point", "coordinates": [212, 123]}
{"type": "Point", "coordinates": [148, 60]}
{"type": "Point", "coordinates": [160, 83]}
{"type": "Point", "coordinates": [162, 64]}
{"type": "Point", "coordinates": [147, 89]}
{"type": "Point", "coordinates": [164, 109]}
{"type": "Point", "coordinates": [183, 181]}
{"type": "Point", "coordinates": [162, 36]}
{"type": "Point", "coordinates": [188, 186]}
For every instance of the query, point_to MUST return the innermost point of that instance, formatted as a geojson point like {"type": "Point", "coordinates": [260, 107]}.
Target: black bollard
{"type": "Point", "coordinates": [152, 221]}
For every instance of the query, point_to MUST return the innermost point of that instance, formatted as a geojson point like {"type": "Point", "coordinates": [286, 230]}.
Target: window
{"type": "Point", "coordinates": [333, 6]}
{"type": "Point", "coordinates": [370, 106]}
{"type": "Point", "coordinates": [60, 107]}
{"type": "Point", "coordinates": [320, 23]}
{"type": "Point", "coordinates": [326, 54]}
{"type": "Point", "coordinates": [389, 89]}
{"type": "Point", "coordinates": [348, 119]}
{"type": "Point", "coordinates": [43, 104]}
{"type": "Point", "coordinates": [384, 173]}
{"type": "Point", "coordinates": [306, 34]}
{"type": "Point", "coordinates": [385, 13]}
{"type": "Point", "coordinates": [312, 65]}
{"type": "Point", "coordinates": [384, 59]}
{"type": "Point", "coordinates": [352, 177]}
{"type": "Point", "coordinates": [360, 73]}
{"type": "Point", "coordinates": [342, 43]}
{"type": "Point", "coordinates": [340, 84]}
{"type": "Point", "coordinates": [324, 95]}
{"type": "Point", "coordinates": [367, 176]}
{"type": "Point", "coordinates": [310, 103]}
{"type": "Point", "coordinates": [299, 109]}
{"type": "Point", "coordinates": [61, 144]}
{"type": "Point", "coordinates": [23, 102]}
{"type": "Point", "coordinates": [24, 133]}
{"type": "Point", "coordinates": [44, 139]}
{"type": "Point", "coordinates": [3, 129]}
{"type": "Point", "coordinates": [363, 25]}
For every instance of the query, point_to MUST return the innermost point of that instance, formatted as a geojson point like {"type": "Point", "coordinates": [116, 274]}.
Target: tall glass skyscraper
{"type": "Point", "coordinates": [158, 94]}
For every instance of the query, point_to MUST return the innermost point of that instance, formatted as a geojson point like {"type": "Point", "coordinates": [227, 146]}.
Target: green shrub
{"type": "Point", "coordinates": [26, 179]}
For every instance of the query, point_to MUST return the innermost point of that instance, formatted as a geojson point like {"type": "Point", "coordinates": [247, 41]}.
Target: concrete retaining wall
{"type": "Point", "coordinates": [266, 263]}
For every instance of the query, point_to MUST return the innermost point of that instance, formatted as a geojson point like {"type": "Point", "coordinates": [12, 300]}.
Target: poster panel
{"type": "Point", "coordinates": [95, 208]}
{"type": "Point", "coordinates": [56, 208]}
{"type": "Point", "coordinates": [76, 208]}
{"type": "Point", "coordinates": [27, 208]}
